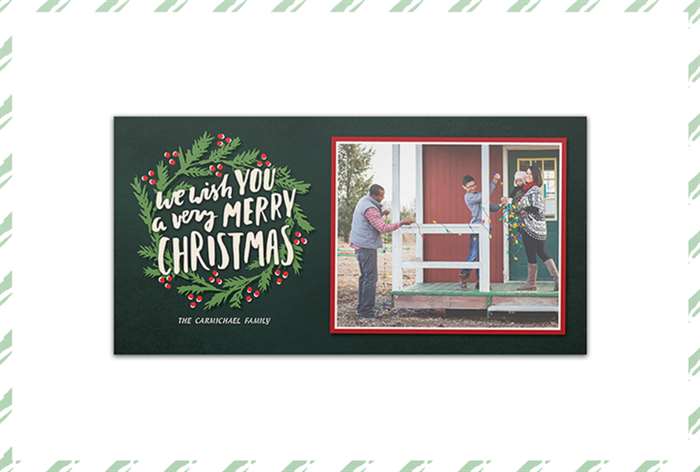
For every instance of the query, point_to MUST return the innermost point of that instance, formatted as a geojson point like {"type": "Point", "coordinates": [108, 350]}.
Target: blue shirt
{"type": "Point", "coordinates": [473, 202]}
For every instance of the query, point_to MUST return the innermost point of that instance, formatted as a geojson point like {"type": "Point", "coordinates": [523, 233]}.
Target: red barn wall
{"type": "Point", "coordinates": [443, 201]}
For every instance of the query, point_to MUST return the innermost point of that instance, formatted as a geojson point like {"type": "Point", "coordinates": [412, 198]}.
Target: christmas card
{"type": "Point", "coordinates": [349, 235]}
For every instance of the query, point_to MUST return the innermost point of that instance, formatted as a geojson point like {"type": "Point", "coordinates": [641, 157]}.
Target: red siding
{"type": "Point", "coordinates": [443, 201]}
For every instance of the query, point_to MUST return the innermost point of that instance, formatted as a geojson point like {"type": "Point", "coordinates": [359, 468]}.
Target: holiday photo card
{"type": "Point", "coordinates": [349, 235]}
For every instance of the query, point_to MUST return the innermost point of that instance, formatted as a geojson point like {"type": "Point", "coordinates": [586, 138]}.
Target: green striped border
{"type": "Point", "coordinates": [6, 358]}
{"type": "Point", "coordinates": [693, 12]}
{"type": "Point", "coordinates": [341, 6]}
{"type": "Point", "coordinates": [7, 462]}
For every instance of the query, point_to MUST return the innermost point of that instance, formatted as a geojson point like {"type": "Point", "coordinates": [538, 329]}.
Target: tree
{"type": "Point", "coordinates": [353, 182]}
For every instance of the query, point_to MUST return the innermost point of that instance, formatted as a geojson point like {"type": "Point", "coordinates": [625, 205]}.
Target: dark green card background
{"type": "Point", "coordinates": [145, 314]}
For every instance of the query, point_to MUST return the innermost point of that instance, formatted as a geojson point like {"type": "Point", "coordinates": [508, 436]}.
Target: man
{"type": "Point", "coordinates": [366, 237]}
{"type": "Point", "coordinates": [473, 200]}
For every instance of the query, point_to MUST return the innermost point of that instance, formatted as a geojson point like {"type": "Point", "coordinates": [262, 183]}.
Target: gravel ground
{"type": "Point", "coordinates": [388, 316]}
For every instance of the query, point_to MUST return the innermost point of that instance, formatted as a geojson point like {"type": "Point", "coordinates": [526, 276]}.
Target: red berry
{"type": "Point", "coordinates": [263, 156]}
{"type": "Point", "coordinates": [199, 298]}
{"type": "Point", "coordinates": [169, 278]}
{"type": "Point", "coordinates": [304, 241]}
{"type": "Point", "coordinates": [285, 274]}
{"type": "Point", "coordinates": [220, 166]}
{"type": "Point", "coordinates": [193, 305]}
{"type": "Point", "coordinates": [151, 173]}
{"type": "Point", "coordinates": [219, 281]}
{"type": "Point", "coordinates": [176, 154]}
{"type": "Point", "coordinates": [167, 285]}
{"type": "Point", "coordinates": [279, 281]}
{"type": "Point", "coordinates": [296, 242]}
{"type": "Point", "coordinates": [161, 279]}
{"type": "Point", "coordinates": [152, 181]}
{"type": "Point", "coordinates": [249, 290]}
{"type": "Point", "coordinates": [297, 234]}
{"type": "Point", "coordinates": [259, 163]}
{"type": "Point", "coordinates": [212, 168]}
{"type": "Point", "coordinates": [171, 162]}
{"type": "Point", "coordinates": [190, 296]}
{"type": "Point", "coordinates": [248, 298]}
{"type": "Point", "coordinates": [277, 272]}
{"type": "Point", "coordinates": [166, 155]}
{"type": "Point", "coordinates": [144, 178]}
{"type": "Point", "coordinates": [211, 279]}
{"type": "Point", "coordinates": [268, 164]}
{"type": "Point", "coordinates": [220, 136]}
{"type": "Point", "coordinates": [218, 174]}
{"type": "Point", "coordinates": [256, 294]}
{"type": "Point", "coordinates": [215, 273]}
{"type": "Point", "coordinates": [228, 140]}
{"type": "Point", "coordinates": [219, 143]}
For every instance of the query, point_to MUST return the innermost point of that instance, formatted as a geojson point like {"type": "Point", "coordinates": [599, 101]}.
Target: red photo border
{"type": "Point", "coordinates": [403, 139]}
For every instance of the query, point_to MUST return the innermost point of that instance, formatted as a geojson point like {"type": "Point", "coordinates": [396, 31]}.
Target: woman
{"type": "Point", "coordinates": [534, 234]}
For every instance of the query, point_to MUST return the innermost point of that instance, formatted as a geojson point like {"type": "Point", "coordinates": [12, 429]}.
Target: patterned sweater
{"type": "Point", "coordinates": [532, 206]}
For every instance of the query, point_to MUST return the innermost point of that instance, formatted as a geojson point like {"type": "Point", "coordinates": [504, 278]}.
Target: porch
{"type": "Point", "coordinates": [501, 297]}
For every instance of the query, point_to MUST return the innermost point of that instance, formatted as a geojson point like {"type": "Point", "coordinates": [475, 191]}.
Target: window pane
{"type": "Point", "coordinates": [549, 165]}
{"type": "Point", "coordinates": [524, 165]}
{"type": "Point", "coordinates": [550, 207]}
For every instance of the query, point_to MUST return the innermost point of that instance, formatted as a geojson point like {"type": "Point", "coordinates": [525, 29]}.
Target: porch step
{"type": "Point", "coordinates": [513, 308]}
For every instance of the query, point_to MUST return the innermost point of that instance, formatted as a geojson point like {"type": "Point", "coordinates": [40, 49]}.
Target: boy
{"type": "Point", "coordinates": [473, 200]}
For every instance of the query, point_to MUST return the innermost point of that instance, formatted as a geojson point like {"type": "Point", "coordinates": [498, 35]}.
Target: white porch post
{"type": "Point", "coordinates": [419, 209]}
{"type": "Point", "coordinates": [506, 245]}
{"type": "Point", "coordinates": [484, 240]}
{"type": "Point", "coordinates": [396, 239]}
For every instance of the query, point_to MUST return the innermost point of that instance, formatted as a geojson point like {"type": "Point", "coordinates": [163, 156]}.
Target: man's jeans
{"type": "Point", "coordinates": [367, 258]}
{"type": "Point", "coordinates": [473, 256]}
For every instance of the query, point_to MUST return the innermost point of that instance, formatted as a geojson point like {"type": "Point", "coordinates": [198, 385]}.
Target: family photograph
{"type": "Point", "coordinates": [425, 241]}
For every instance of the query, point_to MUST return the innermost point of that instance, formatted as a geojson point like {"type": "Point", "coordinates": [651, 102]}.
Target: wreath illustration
{"type": "Point", "coordinates": [212, 155]}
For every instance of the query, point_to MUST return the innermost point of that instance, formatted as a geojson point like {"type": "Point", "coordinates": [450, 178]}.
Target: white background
{"type": "Point", "coordinates": [626, 401]}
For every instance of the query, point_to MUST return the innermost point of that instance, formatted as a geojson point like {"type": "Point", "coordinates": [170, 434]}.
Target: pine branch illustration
{"type": "Point", "coordinates": [145, 205]}
{"type": "Point", "coordinates": [216, 300]}
{"type": "Point", "coordinates": [265, 278]}
{"type": "Point", "coordinates": [188, 158]}
{"type": "Point", "coordinates": [222, 152]}
{"type": "Point", "coordinates": [298, 259]}
{"type": "Point", "coordinates": [198, 284]}
{"type": "Point", "coordinates": [162, 176]}
{"type": "Point", "coordinates": [236, 299]}
{"type": "Point", "coordinates": [195, 277]}
{"type": "Point", "coordinates": [196, 288]}
{"type": "Point", "coordinates": [199, 148]}
{"type": "Point", "coordinates": [151, 272]}
{"type": "Point", "coordinates": [197, 172]}
{"type": "Point", "coordinates": [301, 219]}
{"type": "Point", "coordinates": [285, 181]}
{"type": "Point", "coordinates": [148, 252]}
{"type": "Point", "coordinates": [243, 160]}
{"type": "Point", "coordinates": [236, 283]}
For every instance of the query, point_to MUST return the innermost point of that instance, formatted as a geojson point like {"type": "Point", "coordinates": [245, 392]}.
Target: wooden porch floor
{"type": "Point", "coordinates": [501, 297]}
{"type": "Point", "coordinates": [544, 289]}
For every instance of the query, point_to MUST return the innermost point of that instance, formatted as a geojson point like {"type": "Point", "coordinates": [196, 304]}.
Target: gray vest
{"type": "Point", "coordinates": [362, 233]}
